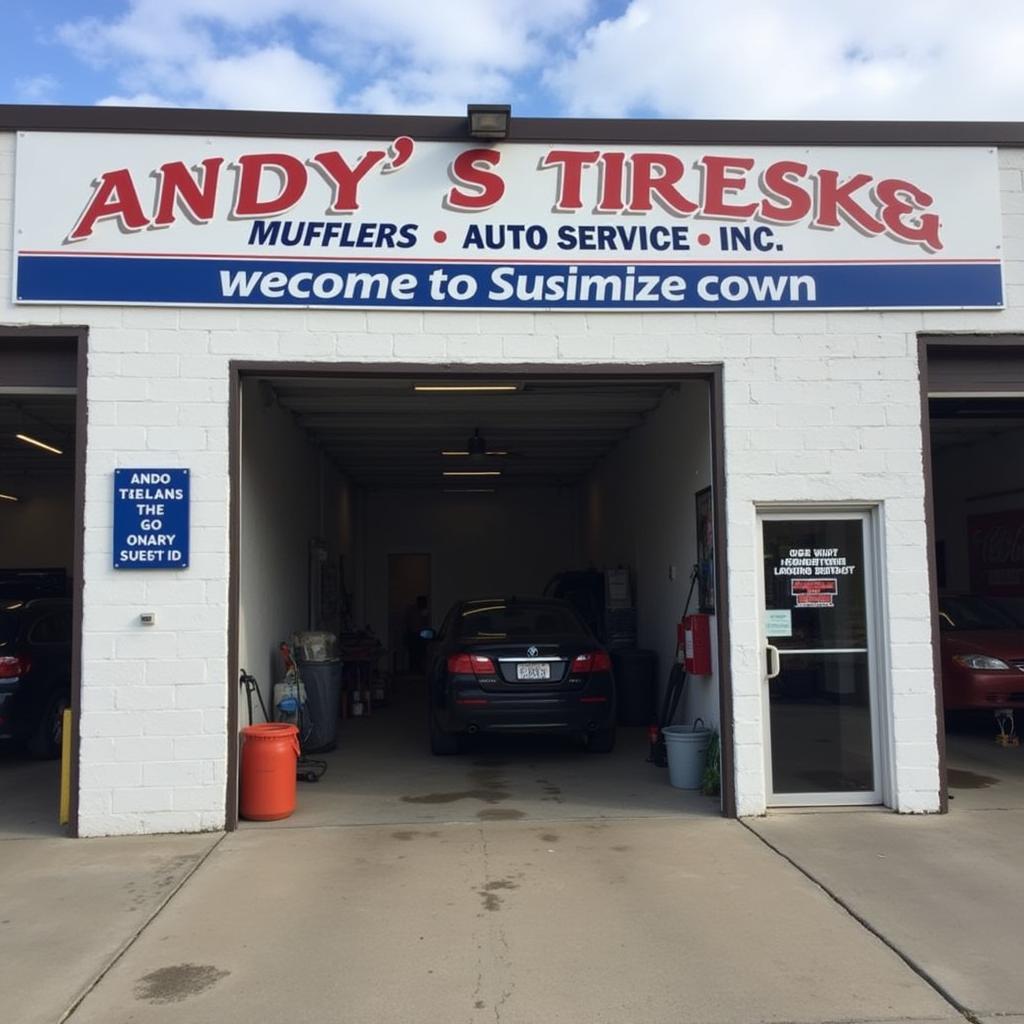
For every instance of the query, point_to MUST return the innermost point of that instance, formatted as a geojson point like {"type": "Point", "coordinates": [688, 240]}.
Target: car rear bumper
{"type": "Point", "coordinates": [571, 713]}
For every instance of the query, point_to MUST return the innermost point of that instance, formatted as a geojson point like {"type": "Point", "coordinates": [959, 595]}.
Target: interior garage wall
{"type": "Point", "coordinates": [290, 495]}
{"type": "Point", "coordinates": [37, 532]}
{"type": "Point", "coordinates": [339, 515]}
{"type": "Point", "coordinates": [510, 542]}
{"type": "Point", "coordinates": [962, 475]}
{"type": "Point", "coordinates": [639, 512]}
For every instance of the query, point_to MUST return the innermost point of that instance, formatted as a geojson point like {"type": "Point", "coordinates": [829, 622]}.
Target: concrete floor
{"type": "Point", "coordinates": [982, 775]}
{"type": "Point", "coordinates": [29, 796]}
{"type": "Point", "coordinates": [945, 890]}
{"type": "Point", "coordinates": [383, 773]}
{"type": "Point", "coordinates": [652, 919]}
{"type": "Point", "coordinates": [522, 881]}
{"type": "Point", "coordinates": [69, 909]}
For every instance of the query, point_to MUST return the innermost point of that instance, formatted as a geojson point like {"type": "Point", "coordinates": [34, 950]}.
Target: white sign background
{"type": "Point", "coordinates": [55, 174]}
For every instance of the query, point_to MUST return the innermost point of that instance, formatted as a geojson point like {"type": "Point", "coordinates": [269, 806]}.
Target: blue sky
{"type": "Point", "coordinates": [917, 59]}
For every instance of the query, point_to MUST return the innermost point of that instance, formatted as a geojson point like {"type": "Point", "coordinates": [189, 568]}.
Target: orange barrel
{"type": "Point", "coordinates": [269, 755]}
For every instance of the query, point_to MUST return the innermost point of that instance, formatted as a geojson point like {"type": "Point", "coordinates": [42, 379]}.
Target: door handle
{"type": "Point", "coordinates": [774, 661]}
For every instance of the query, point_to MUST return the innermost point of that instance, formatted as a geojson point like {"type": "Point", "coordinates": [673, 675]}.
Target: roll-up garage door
{"type": "Point", "coordinates": [981, 367]}
{"type": "Point", "coordinates": [37, 364]}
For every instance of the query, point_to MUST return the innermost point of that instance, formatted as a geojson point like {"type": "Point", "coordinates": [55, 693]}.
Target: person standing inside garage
{"type": "Point", "coordinates": [417, 619]}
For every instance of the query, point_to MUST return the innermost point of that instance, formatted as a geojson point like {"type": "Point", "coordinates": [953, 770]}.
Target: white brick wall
{"type": "Point", "coordinates": [818, 407]}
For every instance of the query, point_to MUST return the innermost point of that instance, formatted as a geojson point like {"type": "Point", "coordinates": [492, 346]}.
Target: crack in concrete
{"type": "Point", "coordinates": [497, 938]}
{"type": "Point", "coordinates": [200, 861]}
{"type": "Point", "coordinates": [966, 1012]}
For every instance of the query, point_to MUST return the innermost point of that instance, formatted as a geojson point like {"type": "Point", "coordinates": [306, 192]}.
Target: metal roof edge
{"type": "Point", "coordinates": [193, 121]}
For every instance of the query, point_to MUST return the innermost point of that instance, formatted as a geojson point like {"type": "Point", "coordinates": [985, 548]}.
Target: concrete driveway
{"type": "Point", "coordinates": [944, 890]}
{"type": "Point", "coordinates": [522, 884]}
{"type": "Point", "coordinates": [69, 909]}
{"type": "Point", "coordinates": [653, 920]}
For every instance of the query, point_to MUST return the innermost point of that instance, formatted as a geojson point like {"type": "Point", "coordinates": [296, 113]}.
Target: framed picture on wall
{"type": "Point", "coordinates": [705, 551]}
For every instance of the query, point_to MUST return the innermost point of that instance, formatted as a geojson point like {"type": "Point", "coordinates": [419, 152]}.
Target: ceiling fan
{"type": "Point", "coordinates": [476, 448]}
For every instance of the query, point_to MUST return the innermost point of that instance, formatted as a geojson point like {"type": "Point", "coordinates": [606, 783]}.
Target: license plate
{"type": "Point", "coordinates": [541, 671]}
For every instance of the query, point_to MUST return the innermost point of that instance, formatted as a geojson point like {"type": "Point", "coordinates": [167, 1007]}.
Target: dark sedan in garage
{"type": "Point", "coordinates": [518, 665]}
{"type": "Point", "coordinates": [35, 672]}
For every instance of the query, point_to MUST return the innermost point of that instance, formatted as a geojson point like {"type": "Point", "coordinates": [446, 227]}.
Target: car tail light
{"type": "Point", "coordinates": [13, 665]}
{"type": "Point", "coordinates": [470, 665]}
{"type": "Point", "coordinates": [595, 661]}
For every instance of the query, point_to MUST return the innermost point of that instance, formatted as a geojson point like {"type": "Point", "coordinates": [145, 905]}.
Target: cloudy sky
{"type": "Point", "coordinates": [917, 59]}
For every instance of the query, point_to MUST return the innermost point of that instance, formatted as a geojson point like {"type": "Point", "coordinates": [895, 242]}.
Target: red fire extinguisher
{"type": "Point", "coordinates": [695, 636]}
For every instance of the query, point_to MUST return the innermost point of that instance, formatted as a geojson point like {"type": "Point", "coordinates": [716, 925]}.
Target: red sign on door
{"type": "Point", "coordinates": [814, 593]}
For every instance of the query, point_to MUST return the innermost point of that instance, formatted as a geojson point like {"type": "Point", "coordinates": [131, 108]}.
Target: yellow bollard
{"type": "Point", "coordinates": [65, 769]}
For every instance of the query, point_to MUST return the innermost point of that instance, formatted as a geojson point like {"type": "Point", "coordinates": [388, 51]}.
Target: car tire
{"type": "Point", "coordinates": [601, 741]}
{"type": "Point", "coordinates": [442, 743]}
{"type": "Point", "coordinates": [44, 742]}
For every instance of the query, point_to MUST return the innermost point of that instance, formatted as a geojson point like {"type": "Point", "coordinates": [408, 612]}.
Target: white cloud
{"type": "Point", "coordinates": [138, 99]}
{"type": "Point", "coordinates": [914, 59]}
{"type": "Point", "coordinates": [394, 56]}
{"type": "Point", "coordinates": [800, 59]}
{"type": "Point", "coordinates": [276, 78]}
{"type": "Point", "coordinates": [36, 88]}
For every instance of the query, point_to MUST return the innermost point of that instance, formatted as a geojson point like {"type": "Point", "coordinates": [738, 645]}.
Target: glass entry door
{"type": "Point", "coordinates": [818, 624]}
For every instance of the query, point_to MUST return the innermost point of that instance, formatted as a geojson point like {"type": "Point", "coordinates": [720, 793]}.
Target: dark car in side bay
{"type": "Point", "coordinates": [35, 672]}
{"type": "Point", "coordinates": [500, 665]}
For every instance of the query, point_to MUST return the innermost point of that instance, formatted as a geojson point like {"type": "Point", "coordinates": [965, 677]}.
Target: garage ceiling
{"type": "Point", "coordinates": [47, 417]}
{"type": "Point", "coordinates": [970, 421]}
{"type": "Point", "coordinates": [383, 433]}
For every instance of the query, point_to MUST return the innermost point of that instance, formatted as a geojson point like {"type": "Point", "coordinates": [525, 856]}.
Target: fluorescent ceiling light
{"type": "Point", "coordinates": [470, 453]}
{"type": "Point", "coordinates": [39, 444]}
{"type": "Point", "coordinates": [8, 497]}
{"type": "Point", "coordinates": [472, 472]}
{"type": "Point", "coordinates": [466, 387]}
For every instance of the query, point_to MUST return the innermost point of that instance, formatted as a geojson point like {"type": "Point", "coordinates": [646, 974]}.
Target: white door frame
{"type": "Point", "coordinates": [868, 516]}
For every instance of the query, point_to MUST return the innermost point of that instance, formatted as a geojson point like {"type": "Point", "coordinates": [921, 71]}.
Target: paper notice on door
{"type": "Point", "coordinates": [814, 593]}
{"type": "Point", "coordinates": [778, 622]}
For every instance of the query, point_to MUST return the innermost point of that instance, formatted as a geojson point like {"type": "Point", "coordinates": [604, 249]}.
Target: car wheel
{"type": "Point", "coordinates": [442, 743]}
{"type": "Point", "coordinates": [45, 740]}
{"type": "Point", "coordinates": [602, 741]}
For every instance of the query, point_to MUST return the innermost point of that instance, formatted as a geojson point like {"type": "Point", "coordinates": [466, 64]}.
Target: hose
{"type": "Point", "coordinates": [307, 769]}
{"type": "Point", "coordinates": [673, 691]}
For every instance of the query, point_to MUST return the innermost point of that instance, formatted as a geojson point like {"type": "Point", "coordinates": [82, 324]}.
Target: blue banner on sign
{"type": "Point", "coordinates": [151, 518]}
{"type": "Point", "coordinates": [407, 285]}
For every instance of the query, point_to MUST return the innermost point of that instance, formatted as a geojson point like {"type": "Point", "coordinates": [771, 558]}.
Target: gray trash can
{"type": "Point", "coordinates": [687, 749]}
{"type": "Point", "coordinates": [322, 680]}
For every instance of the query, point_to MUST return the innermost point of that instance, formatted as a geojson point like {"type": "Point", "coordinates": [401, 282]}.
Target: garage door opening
{"type": "Point", "coordinates": [978, 491]}
{"type": "Point", "coordinates": [38, 576]}
{"type": "Point", "coordinates": [375, 508]}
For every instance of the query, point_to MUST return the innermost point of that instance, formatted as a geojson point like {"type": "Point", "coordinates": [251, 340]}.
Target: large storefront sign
{"type": "Point", "coordinates": [191, 220]}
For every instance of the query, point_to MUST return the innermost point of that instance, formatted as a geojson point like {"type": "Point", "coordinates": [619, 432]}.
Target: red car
{"type": "Point", "coordinates": [982, 643]}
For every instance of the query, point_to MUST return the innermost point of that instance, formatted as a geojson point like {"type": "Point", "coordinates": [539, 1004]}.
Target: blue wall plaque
{"type": "Point", "coordinates": [151, 518]}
